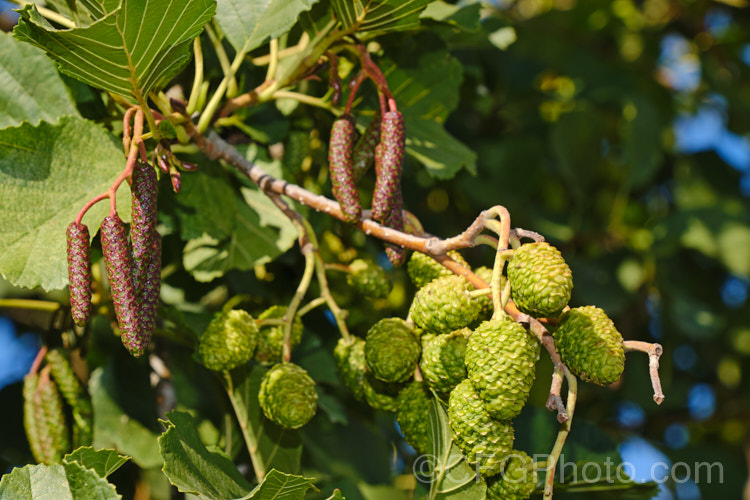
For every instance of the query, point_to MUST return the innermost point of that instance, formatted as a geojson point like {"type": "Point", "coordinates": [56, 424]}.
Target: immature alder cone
{"type": "Point", "coordinates": [392, 350]}
{"type": "Point", "coordinates": [590, 345]}
{"type": "Point", "coordinates": [351, 364]}
{"type": "Point", "coordinates": [540, 280]}
{"type": "Point", "coordinates": [119, 263]}
{"type": "Point", "coordinates": [79, 272]}
{"type": "Point", "coordinates": [340, 166]}
{"type": "Point", "coordinates": [482, 439]}
{"type": "Point", "coordinates": [485, 301]}
{"type": "Point", "coordinates": [413, 415]}
{"type": "Point", "coordinates": [518, 480]}
{"type": "Point", "coordinates": [380, 395]}
{"type": "Point", "coordinates": [229, 341]}
{"type": "Point", "coordinates": [271, 337]}
{"type": "Point", "coordinates": [442, 362]}
{"type": "Point", "coordinates": [43, 418]}
{"type": "Point", "coordinates": [444, 305]}
{"type": "Point", "coordinates": [287, 396]}
{"type": "Point", "coordinates": [369, 279]}
{"type": "Point", "coordinates": [500, 360]}
{"type": "Point", "coordinates": [422, 268]}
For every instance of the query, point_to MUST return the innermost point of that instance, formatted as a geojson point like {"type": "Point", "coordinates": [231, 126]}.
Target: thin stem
{"type": "Point", "coordinates": [213, 104]}
{"type": "Point", "coordinates": [654, 352]}
{"type": "Point", "coordinates": [274, 61]}
{"type": "Point", "coordinates": [291, 310]}
{"type": "Point", "coordinates": [135, 148]}
{"type": "Point", "coordinates": [310, 306]}
{"type": "Point", "coordinates": [289, 51]}
{"type": "Point", "coordinates": [38, 359]}
{"type": "Point", "coordinates": [307, 99]}
{"type": "Point", "coordinates": [30, 305]}
{"type": "Point", "coordinates": [247, 432]}
{"type": "Point", "coordinates": [562, 435]}
{"type": "Point", "coordinates": [49, 14]}
{"type": "Point", "coordinates": [198, 78]}
{"type": "Point", "coordinates": [93, 201]}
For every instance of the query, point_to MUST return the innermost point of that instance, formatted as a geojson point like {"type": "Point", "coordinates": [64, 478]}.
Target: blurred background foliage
{"type": "Point", "coordinates": [619, 130]}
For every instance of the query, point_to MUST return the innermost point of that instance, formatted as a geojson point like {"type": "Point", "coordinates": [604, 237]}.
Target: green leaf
{"type": "Point", "coordinates": [69, 481]}
{"type": "Point", "coordinates": [30, 86]}
{"type": "Point", "coordinates": [202, 206]}
{"type": "Point", "coordinates": [452, 477]}
{"type": "Point", "coordinates": [279, 486]}
{"type": "Point", "coordinates": [336, 495]}
{"type": "Point", "coordinates": [47, 174]}
{"type": "Point", "coordinates": [248, 25]}
{"type": "Point", "coordinates": [131, 51]}
{"type": "Point", "coordinates": [379, 16]}
{"type": "Point", "coordinates": [114, 427]}
{"type": "Point", "coordinates": [277, 447]}
{"type": "Point", "coordinates": [442, 154]}
{"type": "Point", "coordinates": [466, 17]}
{"type": "Point", "coordinates": [261, 233]}
{"type": "Point", "coordinates": [103, 462]}
{"type": "Point", "coordinates": [191, 467]}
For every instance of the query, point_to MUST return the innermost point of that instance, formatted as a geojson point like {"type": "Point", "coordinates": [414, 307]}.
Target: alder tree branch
{"type": "Point", "coordinates": [654, 352]}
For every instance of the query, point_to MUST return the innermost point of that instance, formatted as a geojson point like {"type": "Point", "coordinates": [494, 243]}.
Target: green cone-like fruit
{"type": "Point", "coordinates": [422, 269]}
{"type": "Point", "coordinates": [74, 394]}
{"type": "Point", "coordinates": [444, 305]}
{"type": "Point", "coordinates": [380, 395]}
{"type": "Point", "coordinates": [271, 338]}
{"type": "Point", "coordinates": [442, 362]}
{"type": "Point", "coordinates": [288, 396]}
{"type": "Point", "coordinates": [351, 364]}
{"type": "Point", "coordinates": [229, 341]}
{"type": "Point", "coordinates": [392, 350]}
{"type": "Point", "coordinates": [518, 480]}
{"type": "Point", "coordinates": [413, 416]}
{"type": "Point", "coordinates": [481, 438]}
{"type": "Point", "coordinates": [369, 279]}
{"type": "Point", "coordinates": [485, 301]}
{"type": "Point", "coordinates": [540, 280]}
{"type": "Point", "coordinates": [500, 360]}
{"type": "Point", "coordinates": [43, 418]}
{"type": "Point", "coordinates": [79, 272]}
{"type": "Point", "coordinates": [590, 345]}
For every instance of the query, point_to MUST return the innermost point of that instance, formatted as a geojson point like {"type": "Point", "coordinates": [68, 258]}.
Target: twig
{"type": "Point", "coordinates": [248, 433]}
{"type": "Point", "coordinates": [38, 359]}
{"type": "Point", "coordinates": [654, 352]}
{"type": "Point", "coordinates": [562, 435]}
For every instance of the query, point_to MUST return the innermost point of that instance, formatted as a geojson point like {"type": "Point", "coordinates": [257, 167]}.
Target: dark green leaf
{"type": "Point", "coordinates": [130, 51]}
{"type": "Point", "coordinates": [103, 462]}
{"type": "Point", "coordinates": [191, 467]}
{"type": "Point", "coordinates": [279, 486]}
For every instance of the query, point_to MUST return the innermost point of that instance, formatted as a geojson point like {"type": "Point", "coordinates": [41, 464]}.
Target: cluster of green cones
{"type": "Point", "coordinates": [453, 349]}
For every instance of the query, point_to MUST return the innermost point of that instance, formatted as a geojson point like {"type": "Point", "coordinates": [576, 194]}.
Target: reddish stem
{"type": "Point", "coordinates": [38, 359]}
{"type": "Point", "coordinates": [136, 147]}
{"type": "Point", "coordinates": [93, 201]}
{"type": "Point", "coordinates": [392, 104]}
{"type": "Point", "coordinates": [354, 87]}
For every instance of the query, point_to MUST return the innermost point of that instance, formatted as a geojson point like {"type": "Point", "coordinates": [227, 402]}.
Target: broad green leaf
{"type": "Point", "coordinates": [442, 154]}
{"type": "Point", "coordinates": [30, 87]}
{"type": "Point", "coordinates": [277, 447]}
{"type": "Point", "coordinates": [248, 25]}
{"type": "Point", "coordinates": [426, 93]}
{"type": "Point", "coordinates": [131, 51]}
{"type": "Point", "coordinates": [452, 477]}
{"type": "Point", "coordinates": [261, 233]}
{"type": "Point", "coordinates": [379, 16]}
{"type": "Point", "coordinates": [103, 462]}
{"type": "Point", "coordinates": [191, 467]}
{"type": "Point", "coordinates": [464, 17]}
{"type": "Point", "coordinates": [113, 427]}
{"type": "Point", "coordinates": [204, 204]}
{"type": "Point", "coordinates": [279, 486]}
{"type": "Point", "coordinates": [642, 136]}
{"type": "Point", "coordinates": [69, 481]}
{"type": "Point", "coordinates": [47, 174]}
{"type": "Point", "coordinates": [336, 495]}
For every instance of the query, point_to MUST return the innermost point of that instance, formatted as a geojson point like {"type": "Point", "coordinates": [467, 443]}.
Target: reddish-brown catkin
{"type": "Point", "coordinates": [340, 166]}
{"type": "Point", "coordinates": [79, 272]}
{"type": "Point", "coordinates": [144, 205]}
{"type": "Point", "coordinates": [149, 295]}
{"type": "Point", "coordinates": [395, 253]}
{"type": "Point", "coordinates": [119, 265]}
{"type": "Point", "coordinates": [389, 164]}
{"type": "Point", "coordinates": [364, 150]}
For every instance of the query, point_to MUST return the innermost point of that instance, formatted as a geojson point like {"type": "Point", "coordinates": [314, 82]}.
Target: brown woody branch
{"type": "Point", "coordinates": [654, 352]}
